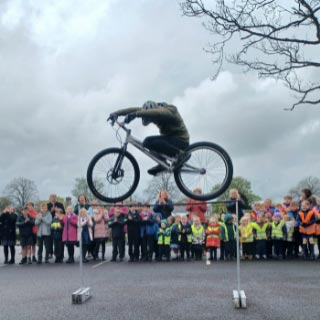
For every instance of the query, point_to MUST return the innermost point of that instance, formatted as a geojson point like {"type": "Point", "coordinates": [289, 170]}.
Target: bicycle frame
{"type": "Point", "coordinates": [153, 155]}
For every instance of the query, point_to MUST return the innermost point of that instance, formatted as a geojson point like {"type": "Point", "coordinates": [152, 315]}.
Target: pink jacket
{"type": "Point", "coordinates": [101, 229]}
{"type": "Point", "coordinates": [69, 228]}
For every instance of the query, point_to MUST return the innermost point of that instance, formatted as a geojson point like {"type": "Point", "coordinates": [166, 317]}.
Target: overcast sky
{"type": "Point", "coordinates": [65, 65]}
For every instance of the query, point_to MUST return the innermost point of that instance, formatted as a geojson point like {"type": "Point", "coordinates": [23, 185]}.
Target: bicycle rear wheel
{"type": "Point", "coordinates": [108, 185]}
{"type": "Point", "coordinates": [208, 168]}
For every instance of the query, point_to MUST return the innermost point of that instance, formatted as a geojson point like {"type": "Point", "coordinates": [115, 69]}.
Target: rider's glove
{"type": "Point", "coordinates": [129, 117]}
{"type": "Point", "coordinates": [113, 117]}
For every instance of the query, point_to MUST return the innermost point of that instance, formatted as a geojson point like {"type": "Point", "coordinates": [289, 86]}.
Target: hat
{"type": "Point", "coordinates": [164, 221]}
{"type": "Point", "coordinates": [227, 217]}
{"type": "Point", "coordinates": [158, 214]}
{"type": "Point", "coordinates": [277, 214]}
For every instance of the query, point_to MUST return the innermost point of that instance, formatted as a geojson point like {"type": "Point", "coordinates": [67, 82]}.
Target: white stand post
{"type": "Point", "coordinates": [84, 293]}
{"type": "Point", "coordinates": [208, 262]}
{"type": "Point", "coordinates": [239, 297]}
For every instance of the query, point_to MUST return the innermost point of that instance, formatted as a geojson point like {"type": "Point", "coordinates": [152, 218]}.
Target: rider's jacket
{"type": "Point", "coordinates": [166, 118]}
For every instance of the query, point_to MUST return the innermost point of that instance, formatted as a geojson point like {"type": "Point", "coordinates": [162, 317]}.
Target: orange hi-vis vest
{"type": "Point", "coordinates": [311, 229]}
{"type": "Point", "coordinates": [318, 224]}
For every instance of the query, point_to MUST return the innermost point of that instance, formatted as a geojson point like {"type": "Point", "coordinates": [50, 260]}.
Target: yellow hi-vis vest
{"type": "Point", "coordinates": [246, 232]}
{"type": "Point", "coordinates": [223, 225]}
{"type": "Point", "coordinates": [197, 234]}
{"type": "Point", "coordinates": [260, 231]}
{"type": "Point", "coordinates": [164, 237]}
{"type": "Point", "coordinates": [277, 232]}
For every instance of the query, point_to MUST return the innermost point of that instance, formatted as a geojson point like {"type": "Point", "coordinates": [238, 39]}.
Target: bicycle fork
{"type": "Point", "coordinates": [117, 172]}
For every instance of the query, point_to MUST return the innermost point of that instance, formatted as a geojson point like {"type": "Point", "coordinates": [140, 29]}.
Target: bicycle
{"type": "Point", "coordinates": [113, 174]}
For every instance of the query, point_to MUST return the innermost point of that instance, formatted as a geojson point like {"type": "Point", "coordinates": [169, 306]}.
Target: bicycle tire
{"type": "Point", "coordinates": [95, 184]}
{"type": "Point", "coordinates": [208, 192]}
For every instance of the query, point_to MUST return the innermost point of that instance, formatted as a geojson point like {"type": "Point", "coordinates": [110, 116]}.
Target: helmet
{"type": "Point", "coordinates": [146, 106]}
{"type": "Point", "coordinates": [150, 105]}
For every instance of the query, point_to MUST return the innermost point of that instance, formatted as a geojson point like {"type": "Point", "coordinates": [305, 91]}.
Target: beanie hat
{"type": "Point", "coordinates": [164, 221]}
{"type": "Point", "coordinates": [227, 217]}
{"type": "Point", "coordinates": [277, 213]}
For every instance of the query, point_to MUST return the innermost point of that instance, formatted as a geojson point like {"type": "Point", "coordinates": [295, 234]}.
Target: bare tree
{"type": "Point", "coordinates": [81, 187]}
{"type": "Point", "coordinates": [21, 190]}
{"type": "Point", "coordinates": [163, 181]}
{"type": "Point", "coordinates": [4, 202]}
{"type": "Point", "coordinates": [276, 38]}
{"type": "Point", "coordinates": [312, 183]}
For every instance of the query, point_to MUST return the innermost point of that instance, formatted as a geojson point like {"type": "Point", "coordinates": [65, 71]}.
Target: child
{"type": "Point", "coordinates": [213, 237]}
{"type": "Point", "coordinates": [85, 232]}
{"type": "Point", "coordinates": [317, 213]}
{"type": "Point", "coordinates": [260, 234]}
{"type": "Point", "coordinates": [147, 235]}
{"type": "Point", "coordinates": [288, 241]}
{"type": "Point", "coordinates": [221, 221]}
{"type": "Point", "coordinates": [156, 227]}
{"type": "Point", "coordinates": [175, 232]}
{"type": "Point", "coordinates": [100, 218]}
{"type": "Point", "coordinates": [8, 220]}
{"type": "Point", "coordinates": [116, 223]}
{"type": "Point", "coordinates": [297, 240]}
{"type": "Point", "coordinates": [133, 228]}
{"type": "Point", "coordinates": [307, 228]}
{"type": "Point", "coordinates": [228, 235]}
{"type": "Point", "coordinates": [287, 203]}
{"type": "Point", "coordinates": [69, 233]}
{"type": "Point", "coordinates": [198, 236]}
{"type": "Point", "coordinates": [278, 233]}
{"type": "Point", "coordinates": [269, 242]}
{"type": "Point", "coordinates": [185, 238]}
{"type": "Point", "coordinates": [33, 213]}
{"type": "Point", "coordinates": [56, 231]}
{"type": "Point", "coordinates": [164, 240]}
{"type": "Point", "coordinates": [43, 222]}
{"type": "Point", "coordinates": [246, 238]}
{"type": "Point", "coordinates": [25, 224]}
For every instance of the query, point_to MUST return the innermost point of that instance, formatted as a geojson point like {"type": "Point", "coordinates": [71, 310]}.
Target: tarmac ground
{"type": "Point", "coordinates": [160, 290]}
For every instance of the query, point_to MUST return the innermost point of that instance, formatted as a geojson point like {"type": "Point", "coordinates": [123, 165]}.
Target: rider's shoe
{"type": "Point", "coordinates": [155, 170]}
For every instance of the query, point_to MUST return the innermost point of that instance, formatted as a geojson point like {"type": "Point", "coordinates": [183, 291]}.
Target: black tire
{"type": "Point", "coordinates": [100, 182]}
{"type": "Point", "coordinates": [222, 161]}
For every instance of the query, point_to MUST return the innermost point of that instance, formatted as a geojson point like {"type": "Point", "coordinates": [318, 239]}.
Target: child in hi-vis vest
{"type": "Point", "coordinates": [213, 237]}
{"type": "Point", "coordinates": [164, 235]}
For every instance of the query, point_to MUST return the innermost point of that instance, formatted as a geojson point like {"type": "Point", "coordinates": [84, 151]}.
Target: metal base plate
{"type": "Point", "coordinates": [81, 295]}
{"type": "Point", "coordinates": [239, 299]}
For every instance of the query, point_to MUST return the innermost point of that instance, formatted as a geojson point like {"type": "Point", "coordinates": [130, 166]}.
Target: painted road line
{"type": "Point", "coordinates": [98, 265]}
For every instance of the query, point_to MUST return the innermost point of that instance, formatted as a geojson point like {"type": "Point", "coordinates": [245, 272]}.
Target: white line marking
{"type": "Point", "coordinates": [99, 264]}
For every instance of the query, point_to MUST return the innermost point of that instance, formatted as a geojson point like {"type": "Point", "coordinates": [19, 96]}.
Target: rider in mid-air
{"type": "Point", "coordinates": [174, 136]}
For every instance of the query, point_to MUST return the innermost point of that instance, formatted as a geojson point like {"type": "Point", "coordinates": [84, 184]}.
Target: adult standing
{"type": "Point", "coordinates": [8, 220]}
{"type": "Point", "coordinates": [53, 205]}
{"type": "Point", "coordinates": [82, 203]}
{"type": "Point", "coordinates": [306, 194]}
{"type": "Point", "coordinates": [164, 204]}
{"type": "Point", "coordinates": [197, 207]}
{"type": "Point", "coordinates": [231, 205]}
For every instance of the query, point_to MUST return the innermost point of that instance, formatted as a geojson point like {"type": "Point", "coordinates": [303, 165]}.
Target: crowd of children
{"type": "Point", "coordinates": [285, 231]}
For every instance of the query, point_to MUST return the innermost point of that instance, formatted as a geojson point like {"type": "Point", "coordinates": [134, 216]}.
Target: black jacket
{"type": "Point", "coordinates": [232, 207]}
{"type": "Point", "coordinates": [25, 227]}
{"type": "Point", "coordinates": [187, 230]}
{"type": "Point", "coordinates": [164, 208]}
{"type": "Point", "coordinates": [134, 223]}
{"type": "Point", "coordinates": [57, 205]}
{"type": "Point", "coordinates": [8, 221]}
{"type": "Point", "coordinates": [117, 226]}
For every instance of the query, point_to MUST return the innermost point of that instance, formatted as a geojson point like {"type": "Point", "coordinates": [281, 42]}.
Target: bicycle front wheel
{"type": "Point", "coordinates": [209, 168]}
{"type": "Point", "coordinates": [112, 175]}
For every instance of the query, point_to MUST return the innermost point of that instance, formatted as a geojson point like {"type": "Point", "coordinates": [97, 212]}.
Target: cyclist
{"type": "Point", "coordinates": [174, 136]}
